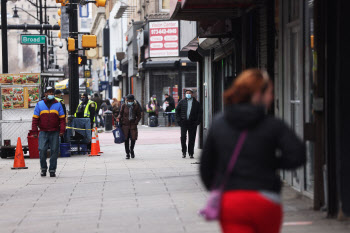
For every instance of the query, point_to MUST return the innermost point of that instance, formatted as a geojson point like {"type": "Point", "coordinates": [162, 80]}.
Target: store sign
{"type": "Point", "coordinates": [164, 39]}
{"type": "Point", "coordinates": [19, 90]}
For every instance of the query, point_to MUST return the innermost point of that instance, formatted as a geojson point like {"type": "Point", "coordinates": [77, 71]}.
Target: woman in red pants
{"type": "Point", "coordinates": [251, 200]}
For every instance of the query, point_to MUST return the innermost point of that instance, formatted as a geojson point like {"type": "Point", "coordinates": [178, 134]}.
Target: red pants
{"type": "Point", "coordinates": [249, 212]}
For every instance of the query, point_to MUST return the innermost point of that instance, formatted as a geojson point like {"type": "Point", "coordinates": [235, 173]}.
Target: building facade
{"type": "Point", "coordinates": [305, 57]}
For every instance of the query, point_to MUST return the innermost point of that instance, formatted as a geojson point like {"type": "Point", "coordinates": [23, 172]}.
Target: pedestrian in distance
{"type": "Point", "coordinates": [153, 106]}
{"type": "Point", "coordinates": [98, 100]}
{"type": "Point", "coordinates": [58, 97]}
{"type": "Point", "coordinates": [169, 104]}
{"type": "Point", "coordinates": [116, 108]}
{"type": "Point", "coordinates": [129, 117]}
{"type": "Point", "coordinates": [188, 115]}
{"type": "Point", "coordinates": [245, 137]}
{"type": "Point", "coordinates": [50, 118]}
{"type": "Point", "coordinates": [86, 109]}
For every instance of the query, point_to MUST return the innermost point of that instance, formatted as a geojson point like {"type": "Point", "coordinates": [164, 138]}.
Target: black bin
{"type": "Point", "coordinates": [108, 115]}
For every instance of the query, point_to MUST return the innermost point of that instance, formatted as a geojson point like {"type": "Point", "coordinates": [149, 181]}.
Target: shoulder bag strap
{"type": "Point", "coordinates": [234, 157]}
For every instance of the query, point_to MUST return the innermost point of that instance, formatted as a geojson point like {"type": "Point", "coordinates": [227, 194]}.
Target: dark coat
{"type": "Point", "coordinates": [128, 125]}
{"type": "Point", "coordinates": [195, 115]}
{"type": "Point", "coordinates": [171, 102]}
{"type": "Point", "coordinates": [98, 102]}
{"type": "Point", "coordinates": [257, 164]}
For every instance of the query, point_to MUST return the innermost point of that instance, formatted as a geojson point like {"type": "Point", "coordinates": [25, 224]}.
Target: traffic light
{"type": "Point", "coordinates": [59, 34]}
{"type": "Point", "coordinates": [71, 44]}
{"type": "Point", "coordinates": [89, 41]}
{"type": "Point", "coordinates": [59, 22]}
{"type": "Point", "coordinates": [59, 12]}
{"type": "Point", "coordinates": [64, 2]}
{"type": "Point", "coordinates": [82, 60]}
{"type": "Point", "coordinates": [100, 3]}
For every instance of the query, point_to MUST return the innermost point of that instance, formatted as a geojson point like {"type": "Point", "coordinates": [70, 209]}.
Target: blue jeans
{"type": "Point", "coordinates": [171, 118]}
{"type": "Point", "coordinates": [46, 139]}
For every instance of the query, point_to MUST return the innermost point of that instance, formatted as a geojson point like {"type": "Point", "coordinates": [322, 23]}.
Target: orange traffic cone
{"type": "Point", "coordinates": [19, 158]}
{"type": "Point", "coordinates": [94, 149]}
{"type": "Point", "coordinates": [98, 142]}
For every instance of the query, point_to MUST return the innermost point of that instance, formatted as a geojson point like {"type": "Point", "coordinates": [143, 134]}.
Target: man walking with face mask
{"type": "Point", "coordinates": [188, 115]}
{"type": "Point", "coordinates": [50, 118]}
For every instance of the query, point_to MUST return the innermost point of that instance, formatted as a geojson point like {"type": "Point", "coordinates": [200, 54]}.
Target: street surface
{"type": "Point", "coordinates": [158, 192]}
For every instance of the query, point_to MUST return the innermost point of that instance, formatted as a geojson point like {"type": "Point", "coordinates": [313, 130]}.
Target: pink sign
{"type": "Point", "coordinates": [164, 39]}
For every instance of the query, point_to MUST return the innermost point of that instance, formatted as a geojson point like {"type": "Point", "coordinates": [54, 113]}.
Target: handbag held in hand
{"type": "Point", "coordinates": [118, 134]}
{"type": "Point", "coordinates": [212, 209]}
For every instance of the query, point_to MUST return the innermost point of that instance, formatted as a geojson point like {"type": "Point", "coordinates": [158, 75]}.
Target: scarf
{"type": "Point", "coordinates": [131, 109]}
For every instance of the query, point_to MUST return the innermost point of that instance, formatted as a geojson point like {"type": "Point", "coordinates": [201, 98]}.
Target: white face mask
{"type": "Point", "coordinates": [188, 96]}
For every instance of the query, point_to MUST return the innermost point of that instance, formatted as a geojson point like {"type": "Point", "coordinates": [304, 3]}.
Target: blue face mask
{"type": "Point", "coordinates": [130, 103]}
{"type": "Point", "coordinates": [50, 97]}
{"type": "Point", "coordinates": [188, 96]}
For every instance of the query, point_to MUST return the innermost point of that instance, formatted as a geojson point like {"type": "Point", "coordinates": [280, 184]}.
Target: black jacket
{"type": "Point", "coordinates": [98, 101]}
{"type": "Point", "coordinates": [171, 102]}
{"type": "Point", "coordinates": [195, 116]}
{"type": "Point", "coordinates": [257, 164]}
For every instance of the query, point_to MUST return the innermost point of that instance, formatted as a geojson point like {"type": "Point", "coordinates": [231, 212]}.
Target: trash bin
{"type": "Point", "coordinates": [108, 115]}
{"type": "Point", "coordinates": [33, 146]}
{"type": "Point", "coordinates": [65, 149]}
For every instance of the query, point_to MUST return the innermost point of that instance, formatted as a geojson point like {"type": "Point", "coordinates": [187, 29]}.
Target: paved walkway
{"type": "Point", "coordinates": [158, 192]}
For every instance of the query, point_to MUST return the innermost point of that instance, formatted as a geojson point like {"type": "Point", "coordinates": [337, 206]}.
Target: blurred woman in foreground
{"type": "Point", "coordinates": [251, 201]}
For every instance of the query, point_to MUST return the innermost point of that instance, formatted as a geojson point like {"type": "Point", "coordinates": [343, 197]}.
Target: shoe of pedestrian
{"type": "Point", "coordinates": [132, 154]}
{"type": "Point", "coordinates": [183, 156]}
{"type": "Point", "coordinates": [169, 124]}
{"type": "Point", "coordinates": [52, 174]}
{"type": "Point", "coordinates": [127, 156]}
{"type": "Point", "coordinates": [43, 173]}
{"type": "Point", "coordinates": [191, 157]}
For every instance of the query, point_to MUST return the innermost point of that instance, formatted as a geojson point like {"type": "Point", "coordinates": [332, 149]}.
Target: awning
{"type": "Point", "coordinates": [196, 10]}
{"type": "Point", "coordinates": [62, 85]}
{"type": "Point", "coordinates": [166, 64]}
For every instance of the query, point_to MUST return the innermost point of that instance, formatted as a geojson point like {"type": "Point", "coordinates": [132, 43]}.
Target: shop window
{"type": "Point", "coordinates": [164, 5]}
{"type": "Point", "coordinates": [294, 9]}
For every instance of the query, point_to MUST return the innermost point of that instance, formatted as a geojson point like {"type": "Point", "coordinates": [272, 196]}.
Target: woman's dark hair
{"type": "Point", "coordinates": [245, 85]}
{"type": "Point", "coordinates": [108, 102]}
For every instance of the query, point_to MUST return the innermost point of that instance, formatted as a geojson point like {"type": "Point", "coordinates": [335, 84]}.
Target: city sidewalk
{"type": "Point", "coordinates": [158, 192]}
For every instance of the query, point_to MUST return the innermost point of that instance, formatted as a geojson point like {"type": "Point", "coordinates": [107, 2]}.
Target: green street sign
{"type": "Point", "coordinates": [33, 39]}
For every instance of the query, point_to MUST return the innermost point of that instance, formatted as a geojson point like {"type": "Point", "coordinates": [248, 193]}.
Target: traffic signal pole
{"type": "Point", "coordinates": [4, 36]}
{"type": "Point", "coordinates": [41, 32]}
{"type": "Point", "coordinates": [73, 59]}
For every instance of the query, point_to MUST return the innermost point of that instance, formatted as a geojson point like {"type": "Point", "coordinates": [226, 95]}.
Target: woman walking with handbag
{"type": "Point", "coordinates": [239, 159]}
{"type": "Point", "coordinates": [129, 117]}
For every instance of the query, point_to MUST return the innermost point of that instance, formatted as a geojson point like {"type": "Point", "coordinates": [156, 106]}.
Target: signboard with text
{"type": "Point", "coordinates": [164, 39]}
{"type": "Point", "coordinates": [33, 39]}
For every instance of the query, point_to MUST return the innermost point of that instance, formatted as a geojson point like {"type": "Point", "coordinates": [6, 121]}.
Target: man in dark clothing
{"type": "Point", "coordinates": [98, 100]}
{"type": "Point", "coordinates": [170, 102]}
{"type": "Point", "coordinates": [50, 118]}
{"type": "Point", "coordinates": [188, 115]}
{"type": "Point", "coordinates": [86, 109]}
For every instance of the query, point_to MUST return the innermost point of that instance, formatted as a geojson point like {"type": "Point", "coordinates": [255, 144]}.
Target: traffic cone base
{"type": "Point", "coordinates": [94, 149]}
{"type": "Point", "coordinates": [98, 142]}
{"type": "Point", "coordinates": [19, 157]}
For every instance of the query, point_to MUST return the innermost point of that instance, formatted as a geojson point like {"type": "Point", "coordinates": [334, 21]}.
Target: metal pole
{"type": "Point", "coordinates": [4, 36]}
{"type": "Point", "coordinates": [45, 22]}
{"type": "Point", "coordinates": [41, 32]}
{"type": "Point", "coordinates": [73, 60]}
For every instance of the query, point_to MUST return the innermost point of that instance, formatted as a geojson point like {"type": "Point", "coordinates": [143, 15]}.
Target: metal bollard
{"type": "Point", "coordinates": [108, 117]}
